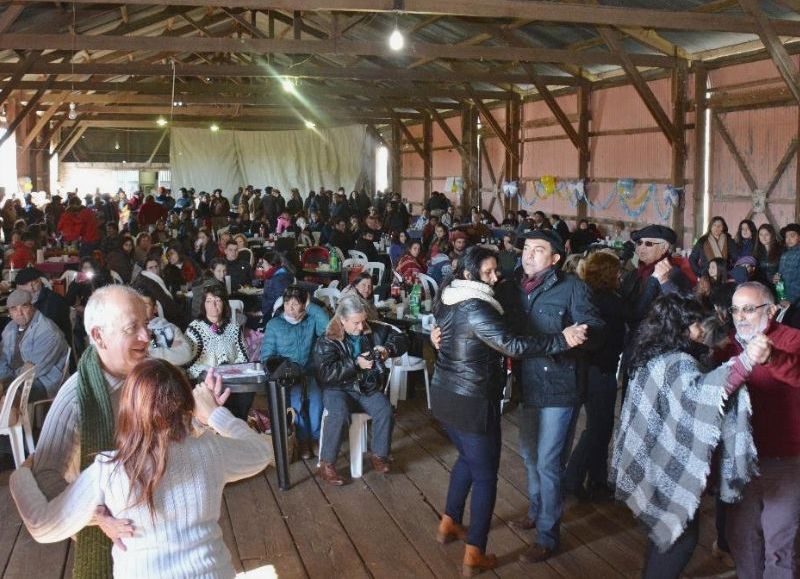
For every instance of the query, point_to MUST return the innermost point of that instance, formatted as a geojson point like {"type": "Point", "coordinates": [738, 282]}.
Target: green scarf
{"type": "Point", "coordinates": [93, 552]}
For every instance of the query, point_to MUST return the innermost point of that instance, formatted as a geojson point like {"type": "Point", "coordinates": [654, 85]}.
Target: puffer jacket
{"type": "Point", "coordinates": [294, 341]}
{"type": "Point", "coordinates": [334, 362]}
{"type": "Point", "coordinates": [559, 301]}
{"type": "Point", "coordinates": [469, 373]}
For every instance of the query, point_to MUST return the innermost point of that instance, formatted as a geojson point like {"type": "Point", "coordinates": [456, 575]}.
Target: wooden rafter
{"type": "Point", "coordinates": [737, 157]}
{"type": "Point", "coordinates": [775, 48]}
{"type": "Point", "coordinates": [489, 119]}
{"type": "Point", "coordinates": [42, 122]}
{"type": "Point", "coordinates": [259, 70]}
{"type": "Point", "coordinates": [19, 70]}
{"type": "Point", "coordinates": [9, 16]}
{"type": "Point", "coordinates": [539, 10]}
{"type": "Point", "coordinates": [26, 110]}
{"type": "Point", "coordinates": [446, 129]}
{"type": "Point", "coordinates": [554, 107]}
{"type": "Point", "coordinates": [164, 134]}
{"type": "Point", "coordinates": [407, 133]}
{"type": "Point", "coordinates": [650, 100]}
{"type": "Point", "coordinates": [76, 136]}
{"type": "Point", "coordinates": [261, 46]}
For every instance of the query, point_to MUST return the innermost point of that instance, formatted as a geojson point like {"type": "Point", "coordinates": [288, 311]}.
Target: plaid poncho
{"type": "Point", "coordinates": [673, 418]}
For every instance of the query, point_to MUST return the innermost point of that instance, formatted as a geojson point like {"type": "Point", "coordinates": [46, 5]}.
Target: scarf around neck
{"type": "Point", "coordinates": [93, 550]}
{"type": "Point", "coordinates": [461, 290]}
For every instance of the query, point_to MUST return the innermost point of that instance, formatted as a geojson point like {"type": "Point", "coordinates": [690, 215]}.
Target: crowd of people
{"type": "Point", "coordinates": [704, 345]}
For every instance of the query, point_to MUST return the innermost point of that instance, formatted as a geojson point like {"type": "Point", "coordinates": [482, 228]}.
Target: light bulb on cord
{"type": "Point", "coordinates": [73, 114]}
{"type": "Point", "coordinates": [288, 85]}
{"type": "Point", "coordinates": [3, 116]}
{"type": "Point", "coordinates": [214, 127]}
{"type": "Point", "coordinates": [116, 146]}
{"type": "Point", "coordinates": [310, 124]}
{"type": "Point", "coordinates": [396, 39]}
{"type": "Point", "coordinates": [161, 122]}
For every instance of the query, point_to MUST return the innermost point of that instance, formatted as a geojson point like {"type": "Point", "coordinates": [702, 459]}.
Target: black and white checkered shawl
{"type": "Point", "coordinates": [673, 418]}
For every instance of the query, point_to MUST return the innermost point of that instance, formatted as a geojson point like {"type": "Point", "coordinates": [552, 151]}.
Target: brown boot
{"type": "Point", "coordinates": [327, 472]}
{"type": "Point", "coordinates": [304, 449]}
{"type": "Point", "coordinates": [475, 561]}
{"type": "Point", "coordinates": [449, 530]}
{"type": "Point", "coordinates": [379, 464]}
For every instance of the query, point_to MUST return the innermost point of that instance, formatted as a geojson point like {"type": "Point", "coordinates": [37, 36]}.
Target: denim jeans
{"type": "Point", "coordinates": [340, 404]}
{"type": "Point", "coordinates": [310, 418]}
{"type": "Point", "coordinates": [476, 469]}
{"type": "Point", "coordinates": [590, 455]}
{"type": "Point", "coordinates": [544, 433]}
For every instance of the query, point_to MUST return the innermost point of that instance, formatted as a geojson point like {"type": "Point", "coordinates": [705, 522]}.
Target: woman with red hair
{"type": "Point", "coordinates": [158, 478]}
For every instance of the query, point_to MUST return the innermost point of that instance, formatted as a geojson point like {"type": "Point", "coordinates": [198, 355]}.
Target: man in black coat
{"type": "Point", "coordinates": [341, 237]}
{"type": "Point", "coordinates": [544, 300]}
{"type": "Point", "coordinates": [352, 380]}
{"type": "Point", "coordinates": [237, 267]}
{"type": "Point", "coordinates": [49, 303]}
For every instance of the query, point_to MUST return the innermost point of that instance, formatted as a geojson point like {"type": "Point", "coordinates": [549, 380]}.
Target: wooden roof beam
{"type": "Point", "coordinates": [431, 108]}
{"type": "Point", "coordinates": [260, 46]}
{"type": "Point", "coordinates": [776, 49]}
{"type": "Point", "coordinates": [555, 108]}
{"type": "Point", "coordinates": [9, 16]}
{"type": "Point", "coordinates": [26, 110]}
{"type": "Point", "coordinates": [409, 137]}
{"type": "Point", "coordinates": [489, 119]}
{"type": "Point", "coordinates": [641, 86]}
{"type": "Point", "coordinates": [18, 70]}
{"type": "Point", "coordinates": [42, 122]}
{"type": "Point", "coordinates": [540, 10]}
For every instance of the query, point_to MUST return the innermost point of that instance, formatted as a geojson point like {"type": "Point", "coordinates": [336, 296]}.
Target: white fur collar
{"type": "Point", "coordinates": [461, 290]}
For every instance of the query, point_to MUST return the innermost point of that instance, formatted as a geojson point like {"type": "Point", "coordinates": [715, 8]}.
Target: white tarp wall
{"type": "Point", "coordinates": [305, 159]}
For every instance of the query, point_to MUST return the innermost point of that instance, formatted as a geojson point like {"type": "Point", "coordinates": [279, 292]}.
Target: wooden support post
{"type": "Point", "coordinates": [513, 161]}
{"type": "Point", "coordinates": [487, 117]}
{"type": "Point", "coordinates": [446, 129]}
{"type": "Point", "coordinates": [427, 157]}
{"type": "Point", "coordinates": [584, 115]}
{"type": "Point", "coordinates": [797, 178]}
{"type": "Point", "coordinates": [469, 162]}
{"type": "Point", "coordinates": [32, 102]}
{"type": "Point", "coordinates": [158, 146]}
{"type": "Point", "coordinates": [679, 98]}
{"type": "Point", "coordinates": [396, 155]}
{"type": "Point", "coordinates": [42, 122]}
{"type": "Point", "coordinates": [699, 181]}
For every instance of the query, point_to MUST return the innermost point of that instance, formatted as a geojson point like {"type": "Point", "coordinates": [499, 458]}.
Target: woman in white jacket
{"type": "Point", "coordinates": [166, 476]}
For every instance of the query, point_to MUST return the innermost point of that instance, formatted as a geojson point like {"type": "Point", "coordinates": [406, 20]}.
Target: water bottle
{"type": "Point", "coordinates": [414, 299]}
{"type": "Point", "coordinates": [780, 290]}
{"type": "Point", "coordinates": [334, 261]}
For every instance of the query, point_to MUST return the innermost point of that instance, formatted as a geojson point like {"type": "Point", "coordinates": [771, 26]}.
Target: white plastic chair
{"type": "Point", "coordinates": [33, 419]}
{"type": "Point", "coordinates": [278, 303]}
{"type": "Point", "coordinates": [249, 255]}
{"type": "Point", "coordinates": [334, 284]}
{"type": "Point", "coordinates": [354, 253]}
{"type": "Point", "coordinates": [116, 277]}
{"type": "Point", "coordinates": [358, 440]}
{"type": "Point", "coordinates": [11, 419]}
{"type": "Point", "coordinates": [332, 295]}
{"type": "Point", "coordinates": [68, 276]}
{"type": "Point", "coordinates": [376, 268]}
{"type": "Point", "coordinates": [429, 286]}
{"type": "Point", "coordinates": [237, 311]}
{"type": "Point", "coordinates": [399, 369]}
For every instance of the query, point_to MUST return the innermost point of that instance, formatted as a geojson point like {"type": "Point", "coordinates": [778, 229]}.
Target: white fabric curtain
{"type": "Point", "coordinates": [304, 159]}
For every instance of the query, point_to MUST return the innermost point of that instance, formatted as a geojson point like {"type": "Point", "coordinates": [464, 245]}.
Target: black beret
{"type": "Point", "coordinates": [550, 236]}
{"type": "Point", "coordinates": [27, 275]}
{"type": "Point", "coordinates": [791, 227]}
{"type": "Point", "coordinates": [655, 232]}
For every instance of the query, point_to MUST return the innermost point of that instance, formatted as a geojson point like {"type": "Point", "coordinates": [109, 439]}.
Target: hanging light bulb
{"type": "Point", "coordinates": [214, 127]}
{"type": "Point", "coordinates": [116, 146]}
{"type": "Point", "coordinates": [396, 39]}
{"type": "Point", "coordinates": [161, 122]}
{"type": "Point", "coordinates": [287, 84]}
{"type": "Point", "coordinates": [3, 116]}
{"type": "Point", "coordinates": [310, 124]}
{"type": "Point", "coordinates": [72, 114]}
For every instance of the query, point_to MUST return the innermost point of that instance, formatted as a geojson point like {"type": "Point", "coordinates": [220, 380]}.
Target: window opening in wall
{"type": "Point", "coordinates": [382, 169]}
{"type": "Point", "coordinates": [706, 166]}
{"type": "Point", "coordinates": [8, 164]}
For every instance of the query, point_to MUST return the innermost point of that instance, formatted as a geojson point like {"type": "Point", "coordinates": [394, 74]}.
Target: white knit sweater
{"type": "Point", "coordinates": [184, 540]}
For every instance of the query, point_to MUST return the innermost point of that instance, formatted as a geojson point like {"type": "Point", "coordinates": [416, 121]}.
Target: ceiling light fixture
{"type": "Point", "coordinates": [72, 114]}
{"type": "Point", "coordinates": [3, 115]}
{"type": "Point", "coordinates": [116, 146]}
{"type": "Point", "coordinates": [310, 124]}
{"type": "Point", "coordinates": [161, 122]}
{"type": "Point", "coordinates": [288, 84]}
{"type": "Point", "coordinates": [396, 40]}
{"type": "Point", "coordinates": [214, 127]}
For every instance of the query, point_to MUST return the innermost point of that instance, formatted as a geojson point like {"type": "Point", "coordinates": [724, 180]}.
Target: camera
{"type": "Point", "coordinates": [375, 355]}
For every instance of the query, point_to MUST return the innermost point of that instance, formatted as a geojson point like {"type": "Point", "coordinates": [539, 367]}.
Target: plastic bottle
{"type": "Point", "coordinates": [415, 299]}
{"type": "Point", "coordinates": [780, 290]}
{"type": "Point", "coordinates": [334, 261]}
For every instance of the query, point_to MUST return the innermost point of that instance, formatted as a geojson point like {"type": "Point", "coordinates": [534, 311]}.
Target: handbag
{"type": "Point", "coordinates": [259, 421]}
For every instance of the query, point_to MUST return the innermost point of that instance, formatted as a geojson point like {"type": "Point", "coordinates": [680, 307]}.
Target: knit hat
{"type": "Point", "coordinates": [27, 275]}
{"type": "Point", "coordinates": [19, 297]}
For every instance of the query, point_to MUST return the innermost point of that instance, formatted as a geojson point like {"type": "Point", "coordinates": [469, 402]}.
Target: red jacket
{"type": "Point", "coordinates": [22, 256]}
{"type": "Point", "coordinates": [775, 393]}
{"type": "Point", "coordinates": [89, 231]}
{"type": "Point", "coordinates": [70, 225]}
{"type": "Point", "coordinates": [150, 212]}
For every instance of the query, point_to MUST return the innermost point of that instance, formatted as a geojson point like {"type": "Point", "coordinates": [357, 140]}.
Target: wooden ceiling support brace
{"type": "Point", "coordinates": [27, 109]}
{"type": "Point", "coordinates": [42, 122]}
{"type": "Point", "coordinates": [158, 145]}
{"type": "Point", "coordinates": [445, 129]}
{"type": "Point", "coordinates": [553, 105]}
{"type": "Point", "coordinates": [20, 70]}
{"type": "Point", "coordinates": [487, 117]}
{"type": "Point", "coordinates": [73, 141]}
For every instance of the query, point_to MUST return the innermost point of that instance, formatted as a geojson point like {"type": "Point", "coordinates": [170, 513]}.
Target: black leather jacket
{"type": "Point", "coordinates": [334, 363]}
{"type": "Point", "coordinates": [474, 339]}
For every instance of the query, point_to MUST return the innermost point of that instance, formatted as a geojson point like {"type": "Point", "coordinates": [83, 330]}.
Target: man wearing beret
{"type": "Point", "coordinates": [49, 303]}
{"type": "Point", "coordinates": [32, 339]}
{"type": "Point", "coordinates": [654, 276]}
{"type": "Point", "coordinates": [544, 300]}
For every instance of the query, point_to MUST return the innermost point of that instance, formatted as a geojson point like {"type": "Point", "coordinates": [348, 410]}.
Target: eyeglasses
{"type": "Point", "coordinates": [748, 309]}
{"type": "Point", "coordinates": [648, 243]}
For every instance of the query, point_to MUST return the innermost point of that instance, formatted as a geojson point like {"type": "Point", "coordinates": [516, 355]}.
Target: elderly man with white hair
{"type": "Point", "coordinates": [762, 530]}
{"type": "Point", "coordinates": [81, 421]}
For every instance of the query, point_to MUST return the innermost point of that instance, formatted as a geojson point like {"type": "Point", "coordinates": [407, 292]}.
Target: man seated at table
{"type": "Point", "coordinates": [49, 303]}
{"type": "Point", "coordinates": [352, 380]}
{"type": "Point", "coordinates": [30, 338]}
{"type": "Point", "coordinates": [238, 269]}
{"type": "Point", "coordinates": [366, 245]}
{"type": "Point", "coordinates": [341, 237]}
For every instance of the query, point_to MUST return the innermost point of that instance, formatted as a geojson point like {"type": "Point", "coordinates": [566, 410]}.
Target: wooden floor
{"type": "Point", "coordinates": [384, 526]}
